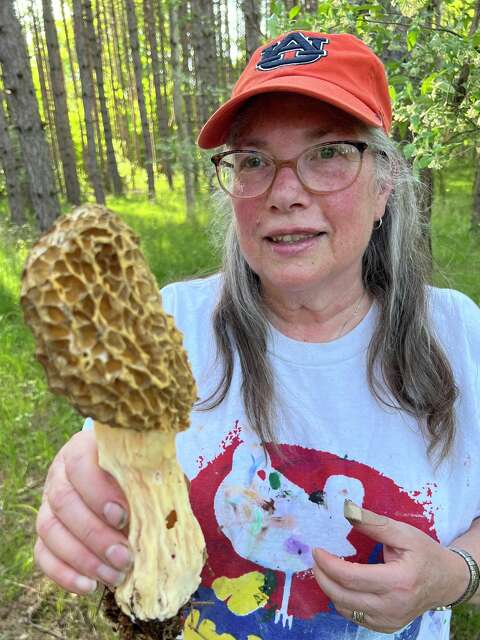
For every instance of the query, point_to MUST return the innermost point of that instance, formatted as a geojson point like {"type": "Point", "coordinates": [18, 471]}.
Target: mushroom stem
{"type": "Point", "coordinates": [165, 537]}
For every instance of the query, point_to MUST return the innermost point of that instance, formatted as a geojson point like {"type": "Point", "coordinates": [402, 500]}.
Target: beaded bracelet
{"type": "Point", "coordinates": [473, 582]}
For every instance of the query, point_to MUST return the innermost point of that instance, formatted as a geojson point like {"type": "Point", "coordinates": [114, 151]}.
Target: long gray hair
{"type": "Point", "coordinates": [407, 368]}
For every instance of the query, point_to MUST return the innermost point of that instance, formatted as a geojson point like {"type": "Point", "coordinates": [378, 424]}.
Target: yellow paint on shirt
{"type": "Point", "coordinates": [206, 630]}
{"type": "Point", "coordinates": [242, 595]}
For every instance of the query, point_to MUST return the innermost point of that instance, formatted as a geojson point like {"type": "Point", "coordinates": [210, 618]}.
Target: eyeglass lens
{"type": "Point", "coordinates": [323, 168]}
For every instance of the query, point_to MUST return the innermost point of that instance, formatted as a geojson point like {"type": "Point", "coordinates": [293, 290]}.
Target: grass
{"type": "Point", "coordinates": [34, 424]}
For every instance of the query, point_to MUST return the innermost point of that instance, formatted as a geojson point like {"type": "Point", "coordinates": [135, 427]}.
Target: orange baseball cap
{"type": "Point", "coordinates": [335, 68]}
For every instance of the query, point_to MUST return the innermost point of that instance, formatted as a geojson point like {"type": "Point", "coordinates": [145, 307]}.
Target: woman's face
{"type": "Point", "coordinates": [283, 125]}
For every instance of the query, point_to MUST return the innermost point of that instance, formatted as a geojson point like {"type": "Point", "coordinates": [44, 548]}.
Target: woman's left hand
{"type": "Point", "coordinates": [418, 574]}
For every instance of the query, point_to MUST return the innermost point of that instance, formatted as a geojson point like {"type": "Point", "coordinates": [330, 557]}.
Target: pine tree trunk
{"type": "Point", "coordinates": [88, 98]}
{"type": "Point", "coordinates": [95, 46]}
{"type": "Point", "coordinates": [205, 58]}
{"type": "Point", "coordinates": [119, 73]}
{"type": "Point", "coordinates": [62, 123]}
{"type": "Point", "coordinates": [160, 104]}
{"type": "Point", "coordinates": [185, 158]}
{"type": "Point", "coordinates": [137, 66]}
{"type": "Point", "coordinates": [17, 77]}
{"type": "Point", "coordinates": [251, 13]}
{"type": "Point", "coordinates": [188, 98]}
{"type": "Point", "coordinates": [74, 79]}
{"type": "Point", "coordinates": [11, 170]}
{"type": "Point", "coordinates": [136, 159]}
{"type": "Point", "coordinates": [44, 92]}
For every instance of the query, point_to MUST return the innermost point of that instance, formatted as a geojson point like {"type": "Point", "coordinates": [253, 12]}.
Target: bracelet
{"type": "Point", "coordinates": [473, 582]}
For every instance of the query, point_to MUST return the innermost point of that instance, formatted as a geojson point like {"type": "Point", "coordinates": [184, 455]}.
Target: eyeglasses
{"type": "Point", "coordinates": [323, 168]}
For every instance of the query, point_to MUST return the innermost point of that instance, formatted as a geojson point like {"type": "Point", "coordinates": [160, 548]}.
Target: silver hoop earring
{"type": "Point", "coordinates": [379, 224]}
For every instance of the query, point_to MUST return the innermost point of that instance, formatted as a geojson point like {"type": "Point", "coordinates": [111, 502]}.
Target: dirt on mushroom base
{"type": "Point", "coordinates": [170, 629]}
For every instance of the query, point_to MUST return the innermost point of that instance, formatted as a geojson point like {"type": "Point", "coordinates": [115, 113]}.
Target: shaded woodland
{"type": "Point", "coordinates": [101, 97]}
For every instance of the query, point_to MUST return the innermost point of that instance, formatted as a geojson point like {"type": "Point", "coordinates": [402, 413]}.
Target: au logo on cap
{"type": "Point", "coordinates": [307, 49]}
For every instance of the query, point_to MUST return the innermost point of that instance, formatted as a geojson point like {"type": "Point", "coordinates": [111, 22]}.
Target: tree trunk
{"type": "Point", "coordinates": [62, 123]}
{"type": "Point", "coordinates": [137, 66]}
{"type": "Point", "coordinates": [188, 94]}
{"type": "Point", "coordinates": [137, 160]}
{"type": "Point", "coordinates": [185, 158]}
{"type": "Point", "coordinates": [160, 104]}
{"type": "Point", "coordinates": [18, 82]}
{"type": "Point", "coordinates": [74, 79]}
{"type": "Point", "coordinates": [88, 98]}
{"type": "Point", "coordinates": [205, 57]}
{"type": "Point", "coordinates": [44, 92]}
{"type": "Point", "coordinates": [95, 46]}
{"type": "Point", "coordinates": [251, 13]}
{"type": "Point", "coordinates": [9, 164]}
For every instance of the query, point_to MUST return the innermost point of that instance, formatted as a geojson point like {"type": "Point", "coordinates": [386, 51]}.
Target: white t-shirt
{"type": "Point", "coordinates": [262, 517]}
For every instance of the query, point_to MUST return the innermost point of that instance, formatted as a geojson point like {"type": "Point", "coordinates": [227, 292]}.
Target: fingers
{"type": "Point", "coordinates": [366, 578]}
{"type": "Point", "coordinates": [346, 601]}
{"type": "Point", "coordinates": [77, 546]}
{"type": "Point", "coordinates": [97, 488]}
{"type": "Point", "coordinates": [69, 551]}
{"type": "Point", "coordinates": [66, 504]}
{"type": "Point", "coordinates": [61, 573]}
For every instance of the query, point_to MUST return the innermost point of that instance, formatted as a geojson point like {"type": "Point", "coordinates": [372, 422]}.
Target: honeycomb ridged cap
{"type": "Point", "coordinates": [101, 333]}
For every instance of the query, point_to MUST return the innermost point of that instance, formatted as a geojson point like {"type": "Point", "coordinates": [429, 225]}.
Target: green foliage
{"type": "Point", "coordinates": [424, 62]}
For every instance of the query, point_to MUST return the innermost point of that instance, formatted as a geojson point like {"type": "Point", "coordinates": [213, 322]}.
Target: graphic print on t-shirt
{"type": "Point", "coordinates": [262, 513]}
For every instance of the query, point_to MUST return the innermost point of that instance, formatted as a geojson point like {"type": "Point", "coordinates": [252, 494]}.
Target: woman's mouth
{"type": "Point", "coordinates": [292, 238]}
{"type": "Point", "coordinates": [293, 243]}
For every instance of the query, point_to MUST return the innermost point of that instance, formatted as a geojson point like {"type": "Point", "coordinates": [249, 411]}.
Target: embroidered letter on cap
{"type": "Point", "coordinates": [307, 49]}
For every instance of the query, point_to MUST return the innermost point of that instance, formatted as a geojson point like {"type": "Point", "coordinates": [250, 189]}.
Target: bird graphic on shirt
{"type": "Point", "coordinates": [275, 523]}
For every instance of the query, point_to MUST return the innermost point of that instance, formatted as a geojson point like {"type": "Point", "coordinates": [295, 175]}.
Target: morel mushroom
{"type": "Point", "coordinates": [108, 346]}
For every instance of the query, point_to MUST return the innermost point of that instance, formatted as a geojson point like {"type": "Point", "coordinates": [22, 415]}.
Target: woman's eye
{"type": "Point", "coordinates": [251, 162]}
{"type": "Point", "coordinates": [324, 153]}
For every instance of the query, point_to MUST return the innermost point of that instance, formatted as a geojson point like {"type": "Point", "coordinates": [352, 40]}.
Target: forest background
{"type": "Point", "coordinates": [102, 100]}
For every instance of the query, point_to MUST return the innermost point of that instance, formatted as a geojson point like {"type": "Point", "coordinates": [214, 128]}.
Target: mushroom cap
{"type": "Point", "coordinates": [101, 334]}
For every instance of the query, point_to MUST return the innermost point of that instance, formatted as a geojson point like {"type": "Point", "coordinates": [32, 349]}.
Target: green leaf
{"type": "Point", "coordinates": [412, 37]}
{"type": "Point", "coordinates": [427, 84]}
{"type": "Point", "coordinates": [409, 150]}
{"type": "Point", "coordinates": [294, 11]}
{"type": "Point", "coordinates": [393, 93]}
{"type": "Point", "coordinates": [423, 162]}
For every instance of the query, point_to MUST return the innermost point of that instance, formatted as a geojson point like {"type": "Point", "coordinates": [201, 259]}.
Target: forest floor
{"type": "Point", "coordinates": [34, 424]}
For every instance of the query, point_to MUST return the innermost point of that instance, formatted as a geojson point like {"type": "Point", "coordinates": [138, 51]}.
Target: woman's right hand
{"type": "Point", "coordinates": [81, 524]}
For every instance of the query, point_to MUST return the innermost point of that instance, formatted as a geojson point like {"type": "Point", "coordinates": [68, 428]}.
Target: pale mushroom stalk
{"type": "Point", "coordinates": [107, 345]}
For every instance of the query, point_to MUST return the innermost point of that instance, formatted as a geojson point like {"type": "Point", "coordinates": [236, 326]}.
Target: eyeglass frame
{"type": "Point", "coordinates": [293, 163]}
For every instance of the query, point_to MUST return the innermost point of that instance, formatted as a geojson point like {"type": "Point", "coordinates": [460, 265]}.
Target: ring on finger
{"type": "Point", "coordinates": [358, 616]}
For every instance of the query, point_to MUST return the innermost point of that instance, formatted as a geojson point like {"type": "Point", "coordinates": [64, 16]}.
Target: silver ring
{"type": "Point", "coordinates": [358, 616]}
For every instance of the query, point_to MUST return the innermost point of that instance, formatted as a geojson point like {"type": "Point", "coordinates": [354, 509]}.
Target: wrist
{"type": "Point", "coordinates": [461, 577]}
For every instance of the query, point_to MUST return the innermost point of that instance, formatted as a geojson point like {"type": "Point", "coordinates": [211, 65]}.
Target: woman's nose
{"type": "Point", "coordinates": [287, 191]}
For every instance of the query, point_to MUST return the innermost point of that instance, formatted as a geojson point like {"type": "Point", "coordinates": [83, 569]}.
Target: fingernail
{"type": "Point", "coordinates": [109, 575]}
{"type": "Point", "coordinates": [352, 512]}
{"type": "Point", "coordinates": [115, 515]}
{"type": "Point", "coordinates": [84, 584]}
{"type": "Point", "coordinates": [119, 556]}
{"type": "Point", "coordinates": [357, 515]}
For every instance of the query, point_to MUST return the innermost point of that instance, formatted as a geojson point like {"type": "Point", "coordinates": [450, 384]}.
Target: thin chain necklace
{"type": "Point", "coordinates": [352, 317]}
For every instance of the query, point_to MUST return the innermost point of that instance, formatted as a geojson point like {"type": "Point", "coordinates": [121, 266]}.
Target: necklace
{"type": "Point", "coordinates": [350, 318]}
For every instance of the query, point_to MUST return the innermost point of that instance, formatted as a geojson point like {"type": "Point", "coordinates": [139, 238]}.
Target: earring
{"type": "Point", "coordinates": [379, 224]}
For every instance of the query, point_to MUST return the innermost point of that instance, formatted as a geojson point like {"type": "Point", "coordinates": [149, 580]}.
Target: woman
{"type": "Point", "coordinates": [339, 377]}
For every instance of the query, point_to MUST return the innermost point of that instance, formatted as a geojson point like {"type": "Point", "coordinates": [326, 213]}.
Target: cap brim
{"type": "Point", "coordinates": [215, 131]}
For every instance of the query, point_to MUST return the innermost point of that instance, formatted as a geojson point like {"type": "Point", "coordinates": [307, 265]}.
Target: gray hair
{"type": "Point", "coordinates": [407, 368]}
